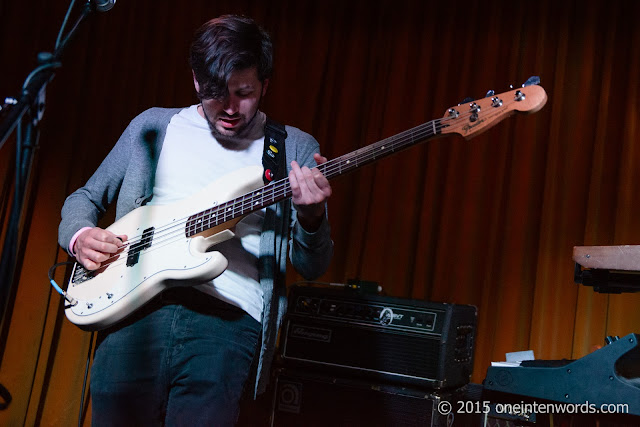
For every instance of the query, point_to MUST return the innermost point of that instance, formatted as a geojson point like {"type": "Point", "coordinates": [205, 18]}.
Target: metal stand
{"type": "Point", "coordinates": [23, 114]}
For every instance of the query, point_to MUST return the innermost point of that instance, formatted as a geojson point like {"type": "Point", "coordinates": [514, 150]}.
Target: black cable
{"type": "Point", "coordinates": [84, 382]}
{"type": "Point", "coordinates": [54, 266]}
{"type": "Point", "coordinates": [88, 363]}
{"type": "Point", "coordinates": [69, 299]}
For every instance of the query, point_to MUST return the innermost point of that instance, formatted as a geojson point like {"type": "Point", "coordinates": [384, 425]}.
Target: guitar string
{"type": "Point", "coordinates": [362, 156]}
{"type": "Point", "coordinates": [275, 190]}
{"type": "Point", "coordinates": [356, 159]}
{"type": "Point", "coordinates": [365, 151]}
{"type": "Point", "coordinates": [269, 191]}
{"type": "Point", "coordinates": [272, 192]}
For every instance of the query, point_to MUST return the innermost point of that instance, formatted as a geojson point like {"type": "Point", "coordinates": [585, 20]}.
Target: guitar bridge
{"type": "Point", "coordinates": [80, 275]}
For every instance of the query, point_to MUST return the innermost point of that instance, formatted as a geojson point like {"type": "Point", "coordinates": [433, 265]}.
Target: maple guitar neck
{"type": "Point", "coordinates": [467, 120]}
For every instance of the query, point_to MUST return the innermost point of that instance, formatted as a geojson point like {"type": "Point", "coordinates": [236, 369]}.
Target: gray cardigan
{"type": "Point", "coordinates": [127, 175]}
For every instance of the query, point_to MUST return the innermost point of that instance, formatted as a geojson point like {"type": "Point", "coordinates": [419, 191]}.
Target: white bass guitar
{"type": "Point", "coordinates": [168, 245]}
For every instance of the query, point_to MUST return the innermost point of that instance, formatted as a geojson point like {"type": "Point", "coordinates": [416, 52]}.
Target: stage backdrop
{"type": "Point", "coordinates": [490, 222]}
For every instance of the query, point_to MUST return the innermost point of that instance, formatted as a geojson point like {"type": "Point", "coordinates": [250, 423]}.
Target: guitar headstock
{"type": "Point", "coordinates": [472, 118]}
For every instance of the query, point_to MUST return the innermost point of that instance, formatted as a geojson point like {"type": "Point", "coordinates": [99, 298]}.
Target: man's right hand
{"type": "Point", "coordinates": [95, 246]}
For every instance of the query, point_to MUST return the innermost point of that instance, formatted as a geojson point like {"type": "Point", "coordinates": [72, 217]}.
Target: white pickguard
{"type": "Point", "coordinates": [172, 259]}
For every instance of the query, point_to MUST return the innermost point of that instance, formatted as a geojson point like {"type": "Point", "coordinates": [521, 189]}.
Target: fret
{"type": "Point", "coordinates": [261, 198]}
{"type": "Point", "coordinates": [202, 223]}
{"type": "Point", "coordinates": [239, 210]}
{"type": "Point", "coordinates": [245, 206]}
{"type": "Point", "coordinates": [214, 216]}
{"type": "Point", "coordinates": [255, 202]}
{"type": "Point", "coordinates": [211, 217]}
{"type": "Point", "coordinates": [229, 210]}
{"type": "Point", "coordinates": [198, 224]}
{"type": "Point", "coordinates": [222, 212]}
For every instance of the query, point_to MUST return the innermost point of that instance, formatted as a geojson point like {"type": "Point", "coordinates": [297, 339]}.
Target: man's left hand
{"type": "Point", "coordinates": [310, 190]}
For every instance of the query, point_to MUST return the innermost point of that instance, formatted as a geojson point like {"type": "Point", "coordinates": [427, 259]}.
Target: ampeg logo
{"type": "Point", "coordinates": [386, 316]}
{"type": "Point", "coordinates": [289, 397]}
{"type": "Point", "coordinates": [308, 333]}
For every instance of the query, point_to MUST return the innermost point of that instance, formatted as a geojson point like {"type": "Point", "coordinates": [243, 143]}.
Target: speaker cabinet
{"type": "Point", "coordinates": [305, 398]}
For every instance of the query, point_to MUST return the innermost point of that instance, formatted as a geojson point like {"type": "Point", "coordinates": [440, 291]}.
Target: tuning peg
{"type": "Point", "coordinates": [467, 100]}
{"type": "Point", "coordinates": [533, 80]}
{"type": "Point", "coordinates": [491, 92]}
{"type": "Point", "coordinates": [611, 339]}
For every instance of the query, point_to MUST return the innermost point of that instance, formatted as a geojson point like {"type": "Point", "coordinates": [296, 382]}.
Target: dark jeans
{"type": "Point", "coordinates": [183, 359]}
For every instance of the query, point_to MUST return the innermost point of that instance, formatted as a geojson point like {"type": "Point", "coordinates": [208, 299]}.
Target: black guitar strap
{"type": "Point", "coordinates": [274, 156]}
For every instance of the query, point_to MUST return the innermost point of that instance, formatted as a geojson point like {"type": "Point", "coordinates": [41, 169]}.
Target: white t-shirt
{"type": "Point", "coordinates": [191, 158]}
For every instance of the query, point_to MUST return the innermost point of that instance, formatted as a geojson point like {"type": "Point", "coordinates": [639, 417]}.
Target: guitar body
{"type": "Point", "coordinates": [113, 292]}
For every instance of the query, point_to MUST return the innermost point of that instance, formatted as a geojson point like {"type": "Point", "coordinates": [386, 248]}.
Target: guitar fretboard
{"type": "Point", "coordinates": [281, 189]}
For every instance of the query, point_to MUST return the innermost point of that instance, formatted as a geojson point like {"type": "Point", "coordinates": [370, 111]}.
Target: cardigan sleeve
{"type": "Point", "coordinates": [310, 253]}
{"type": "Point", "coordinates": [85, 206]}
{"type": "Point", "coordinates": [125, 174]}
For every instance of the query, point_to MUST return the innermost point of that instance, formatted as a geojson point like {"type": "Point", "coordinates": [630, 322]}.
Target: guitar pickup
{"type": "Point", "coordinates": [135, 249]}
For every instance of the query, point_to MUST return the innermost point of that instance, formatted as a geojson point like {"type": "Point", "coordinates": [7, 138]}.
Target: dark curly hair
{"type": "Point", "coordinates": [224, 45]}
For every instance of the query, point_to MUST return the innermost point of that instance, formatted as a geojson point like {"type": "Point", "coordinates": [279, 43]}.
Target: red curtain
{"type": "Point", "coordinates": [491, 221]}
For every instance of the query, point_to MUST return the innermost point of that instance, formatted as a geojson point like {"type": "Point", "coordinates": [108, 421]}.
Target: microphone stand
{"type": "Point", "coordinates": [25, 111]}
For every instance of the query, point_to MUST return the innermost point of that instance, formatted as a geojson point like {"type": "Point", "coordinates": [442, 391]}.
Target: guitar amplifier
{"type": "Point", "coordinates": [405, 341]}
